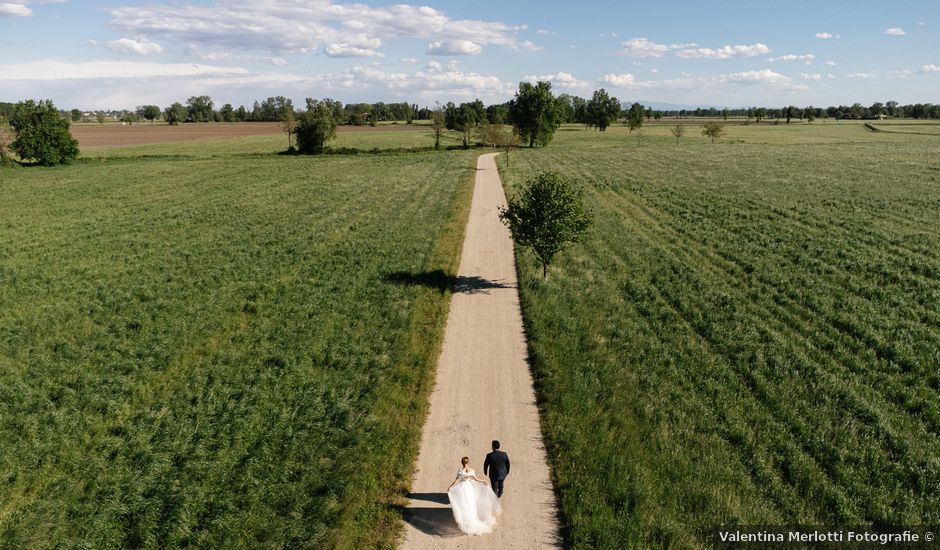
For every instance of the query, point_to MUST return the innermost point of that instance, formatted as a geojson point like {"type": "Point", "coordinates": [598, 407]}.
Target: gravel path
{"type": "Point", "coordinates": [483, 392]}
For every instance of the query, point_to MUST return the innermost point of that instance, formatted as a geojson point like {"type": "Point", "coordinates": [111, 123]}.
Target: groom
{"type": "Point", "coordinates": [496, 466]}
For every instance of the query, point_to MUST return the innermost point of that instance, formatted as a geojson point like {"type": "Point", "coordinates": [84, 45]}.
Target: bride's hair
{"type": "Point", "coordinates": [464, 461]}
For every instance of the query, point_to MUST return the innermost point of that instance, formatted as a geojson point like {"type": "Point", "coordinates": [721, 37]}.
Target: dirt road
{"type": "Point", "coordinates": [483, 392]}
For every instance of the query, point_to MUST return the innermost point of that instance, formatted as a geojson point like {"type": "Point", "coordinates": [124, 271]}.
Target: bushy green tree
{"type": "Point", "coordinates": [176, 113]}
{"type": "Point", "coordinates": [227, 112]}
{"type": "Point", "coordinates": [42, 135]}
{"type": "Point", "coordinates": [75, 115]}
{"type": "Point", "coordinates": [635, 115]}
{"type": "Point", "coordinates": [464, 118]}
{"type": "Point", "coordinates": [200, 109]}
{"type": "Point", "coordinates": [546, 215]}
{"type": "Point", "coordinates": [149, 112]}
{"type": "Point", "coordinates": [534, 113]}
{"type": "Point", "coordinates": [602, 110]}
{"type": "Point", "coordinates": [315, 128]}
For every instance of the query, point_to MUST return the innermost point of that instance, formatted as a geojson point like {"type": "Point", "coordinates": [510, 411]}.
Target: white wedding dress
{"type": "Point", "coordinates": [474, 504]}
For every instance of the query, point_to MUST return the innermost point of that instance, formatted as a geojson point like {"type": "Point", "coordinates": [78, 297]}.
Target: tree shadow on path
{"type": "Point", "coordinates": [442, 282]}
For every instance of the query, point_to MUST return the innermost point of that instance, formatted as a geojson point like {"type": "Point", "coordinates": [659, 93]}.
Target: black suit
{"type": "Point", "coordinates": [496, 466]}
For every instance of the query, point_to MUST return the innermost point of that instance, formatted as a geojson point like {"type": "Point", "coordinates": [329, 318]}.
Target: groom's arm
{"type": "Point", "coordinates": [507, 464]}
{"type": "Point", "coordinates": [486, 464]}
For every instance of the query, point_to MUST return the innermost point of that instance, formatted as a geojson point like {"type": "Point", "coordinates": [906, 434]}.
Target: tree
{"type": "Point", "coordinates": [200, 109]}
{"type": "Point", "coordinates": [438, 125]}
{"type": "Point", "coordinates": [41, 134]}
{"type": "Point", "coordinates": [129, 118]}
{"type": "Point", "coordinates": [713, 130]}
{"type": "Point", "coordinates": [289, 125]}
{"type": "Point", "coordinates": [809, 114]}
{"type": "Point", "coordinates": [464, 118]}
{"type": "Point", "coordinates": [227, 112]}
{"type": "Point", "coordinates": [724, 114]}
{"type": "Point", "coordinates": [174, 114]}
{"type": "Point", "coordinates": [490, 134]}
{"type": "Point", "coordinates": [759, 114]}
{"type": "Point", "coordinates": [6, 136]}
{"type": "Point", "coordinates": [99, 116]}
{"type": "Point", "coordinates": [546, 215]}
{"type": "Point", "coordinates": [508, 140]}
{"type": "Point", "coordinates": [534, 113]}
{"type": "Point", "coordinates": [149, 112]}
{"type": "Point", "coordinates": [316, 127]}
{"type": "Point", "coordinates": [602, 110]}
{"type": "Point", "coordinates": [76, 115]}
{"type": "Point", "coordinates": [635, 116]}
{"type": "Point", "coordinates": [677, 132]}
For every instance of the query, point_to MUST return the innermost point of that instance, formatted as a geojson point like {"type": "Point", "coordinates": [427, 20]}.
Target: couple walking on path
{"type": "Point", "coordinates": [475, 503]}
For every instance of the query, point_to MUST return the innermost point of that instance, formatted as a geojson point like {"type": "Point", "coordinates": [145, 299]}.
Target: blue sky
{"type": "Point", "coordinates": [119, 54]}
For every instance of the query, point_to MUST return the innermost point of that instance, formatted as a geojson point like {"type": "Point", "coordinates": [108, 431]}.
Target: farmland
{"type": "Point", "coordinates": [205, 344]}
{"type": "Point", "coordinates": [748, 335]}
{"type": "Point", "coordinates": [94, 136]}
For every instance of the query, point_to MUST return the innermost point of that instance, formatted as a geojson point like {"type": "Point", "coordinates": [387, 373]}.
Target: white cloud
{"type": "Point", "coordinates": [895, 31]}
{"type": "Point", "coordinates": [643, 47]}
{"type": "Point", "coordinates": [454, 47]}
{"type": "Point", "coordinates": [49, 69]}
{"type": "Point", "coordinates": [929, 69]}
{"type": "Point", "coordinates": [830, 76]}
{"type": "Point", "coordinates": [346, 50]}
{"type": "Point", "coordinates": [794, 57]}
{"type": "Point", "coordinates": [765, 77]}
{"type": "Point", "coordinates": [561, 80]}
{"type": "Point", "coordinates": [725, 52]}
{"type": "Point", "coordinates": [19, 8]}
{"type": "Point", "coordinates": [229, 56]}
{"type": "Point", "coordinates": [903, 73]}
{"type": "Point", "coordinates": [831, 63]}
{"type": "Point", "coordinates": [921, 24]}
{"type": "Point", "coordinates": [654, 71]}
{"type": "Point", "coordinates": [408, 61]}
{"type": "Point", "coordinates": [825, 35]}
{"type": "Point", "coordinates": [624, 80]}
{"type": "Point", "coordinates": [318, 25]}
{"type": "Point", "coordinates": [137, 47]}
{"type": "Point", "coordinates": [10, 9]}
{"type": "Point", "coordinates": [544, 32]}
{"type": "Point", "coordinates": [528, 46]}
{"type": "Point", "coordinates": [869, 74]}
{"type": "Point", "coordinates": [814, 76]}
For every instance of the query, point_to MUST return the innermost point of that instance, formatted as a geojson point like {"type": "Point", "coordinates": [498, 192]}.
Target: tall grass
{"type": "Point", "coordinates": [749, 335]}
{"type": "Point", "coordinates": [206, 350]}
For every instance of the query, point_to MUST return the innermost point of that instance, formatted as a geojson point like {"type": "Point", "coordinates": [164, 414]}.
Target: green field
{"type": "Point", "coordinates": [206, 344]}
{"type": "Point", "coordinates": [748, 335]}
{"type": "Point", "coordinates": [365, 142]}
{"type": "Point", "coordinates": [203, 345]}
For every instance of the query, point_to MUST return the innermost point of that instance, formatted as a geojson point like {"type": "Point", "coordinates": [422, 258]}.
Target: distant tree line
{"type": "Point", "coordinates": [599, 112]}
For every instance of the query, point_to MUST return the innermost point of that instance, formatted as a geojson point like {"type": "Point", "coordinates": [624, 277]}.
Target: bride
{"type": "Point", "coordinates": [474, 504]}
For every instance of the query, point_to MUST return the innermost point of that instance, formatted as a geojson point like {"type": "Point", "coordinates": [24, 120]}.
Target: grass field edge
{"type": "Point", "coordinates": [399, 419]}
{"type": "Point", "coordinates": [532, 358]}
